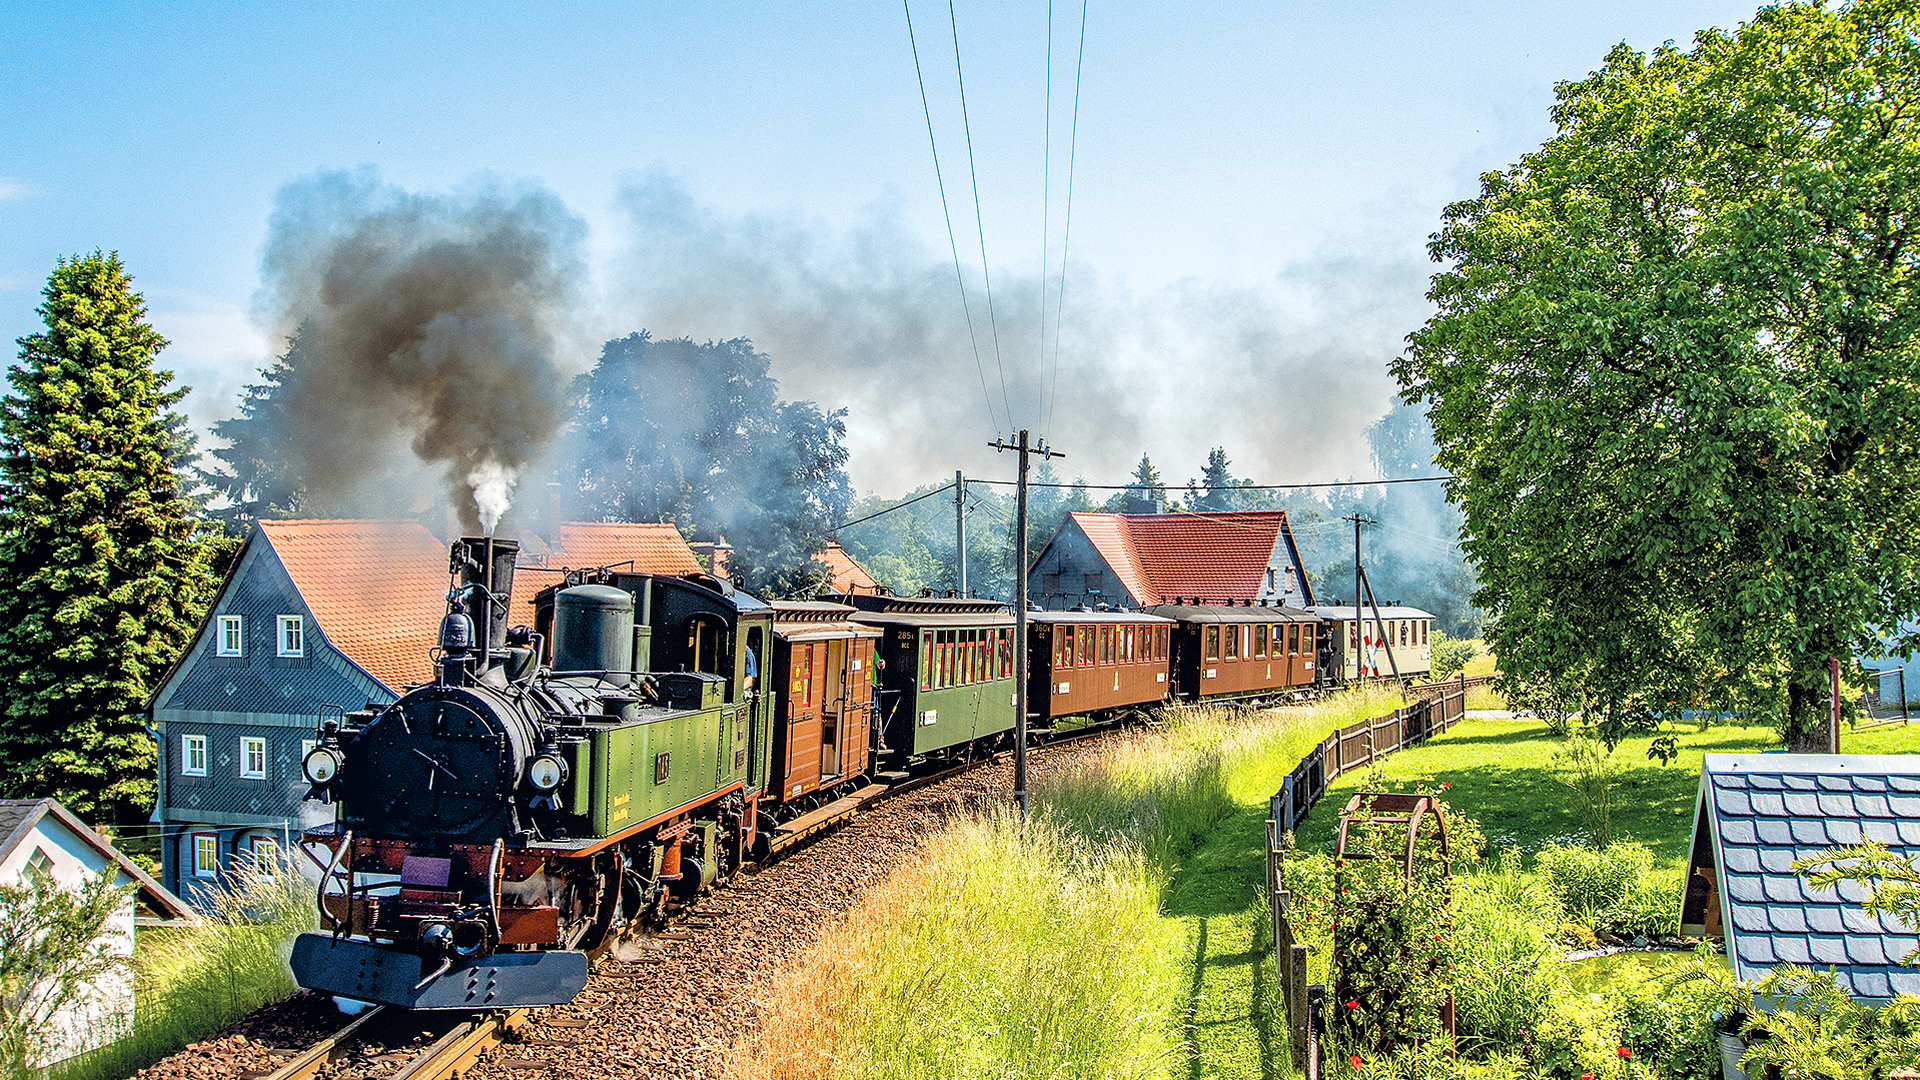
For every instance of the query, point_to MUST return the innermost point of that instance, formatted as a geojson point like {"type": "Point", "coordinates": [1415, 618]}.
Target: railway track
{"type": "Point", "coordinates": [673, 1006]}
{"type": "Point", "coordinates": [447, 1048]}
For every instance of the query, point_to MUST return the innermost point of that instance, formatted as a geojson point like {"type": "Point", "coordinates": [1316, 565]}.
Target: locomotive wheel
{"type": "Point", "coordinates": [592, 900]}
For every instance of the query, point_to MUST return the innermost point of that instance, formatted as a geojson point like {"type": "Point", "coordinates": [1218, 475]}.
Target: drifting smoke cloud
{"type": "Point", "coordinates": [1286, 377]}
{"type": "Point", "coordinates": [430, 319]}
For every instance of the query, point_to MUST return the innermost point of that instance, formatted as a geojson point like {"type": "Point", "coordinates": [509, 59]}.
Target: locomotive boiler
{"type": "Point", "coordinates": [499, 822]}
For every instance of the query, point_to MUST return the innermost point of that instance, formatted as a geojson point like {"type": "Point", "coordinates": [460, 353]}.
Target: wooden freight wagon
{"type": "Point", "coordinates": [1241, 651]}
{"type": "Point", "coordinates": [823, 666]}
{"type": "Point", "coordinates": [1095, 663]}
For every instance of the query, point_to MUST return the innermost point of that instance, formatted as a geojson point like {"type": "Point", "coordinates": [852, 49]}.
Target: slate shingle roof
{"type": "Point", "coordinates": [1765, 811]}
{"type": "Point", "coordinates": [1215, 557]}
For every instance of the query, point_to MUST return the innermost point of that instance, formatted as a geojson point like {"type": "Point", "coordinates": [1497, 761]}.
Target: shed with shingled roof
{"type": "Point", "coordinates": [1754, 815]}
{"type": "Point", "coordinates": [1139, 560]}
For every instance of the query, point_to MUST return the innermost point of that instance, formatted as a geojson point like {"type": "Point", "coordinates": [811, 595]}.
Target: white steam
{"type": "Point", "coordinates": [492, 485]}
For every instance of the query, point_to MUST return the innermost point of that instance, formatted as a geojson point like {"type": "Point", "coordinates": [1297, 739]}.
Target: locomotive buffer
{"type": "Point", "coordinates": [1020, 616]}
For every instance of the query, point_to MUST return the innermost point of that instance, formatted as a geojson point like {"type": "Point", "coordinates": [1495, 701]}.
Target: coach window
{"type": "Point", "coordinates": [1006, 652]}
{"type": "Point", "coordinates": [1160, 642]}
{"type": "Point", "coordinates": [1293, 637]}
{"type": "Point", "coordinates": [1233, 643]}
{"type": "Point", "coordinates": [1424, 624]}
{"type": "Point", "coordinates": [926, 660]}
{"type": "Point", "coordinates": [1260, 641]}
{"type": "Point", "coordinates": [1403, 633]}
{"type": "Point", "coordinates": [1213, 643]}
{"type": "Point", "coordinates": [1063, 644]}
{"type": "Point", "coordinates": [1087, 635]}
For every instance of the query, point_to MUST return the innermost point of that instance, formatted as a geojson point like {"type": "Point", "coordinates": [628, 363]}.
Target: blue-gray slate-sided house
{"type": "Point", "coordinates": [312, 613]}
{"type": "Point", "coordinates": [1757, 813]}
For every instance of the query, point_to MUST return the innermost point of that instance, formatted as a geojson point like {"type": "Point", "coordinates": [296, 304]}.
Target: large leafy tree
{"type": "Point", "coordinates": [1674, 369]}
{"type": "Point", "coordinates": [697, 435]}
{"type": "Point", "coordinates": [104, 575]}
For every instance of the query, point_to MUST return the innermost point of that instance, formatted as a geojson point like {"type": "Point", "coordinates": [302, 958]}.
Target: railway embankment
{"type": "Point", "coordinates": [1041, 948]}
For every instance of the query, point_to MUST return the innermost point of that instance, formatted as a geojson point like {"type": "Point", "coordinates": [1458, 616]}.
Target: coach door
{"type": "Point", "coordinates": [833, 707]}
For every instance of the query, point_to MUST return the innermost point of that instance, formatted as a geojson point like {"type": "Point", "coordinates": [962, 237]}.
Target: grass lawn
{"type": "Point", "coordinates": [1498, 772]}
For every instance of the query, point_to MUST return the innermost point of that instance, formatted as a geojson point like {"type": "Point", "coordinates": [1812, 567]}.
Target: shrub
{"type": "Point", "coordinates": [1451, 655]}
{"type": "Point", "coordinates": [1393, 954]}
{"type": "Point", "coordinates": [1588, 882]}
{"type": "Point", "coordinates": [1588, 769]}
{"type": "Point", "coordinates": [55, 948]}
{"type": "Point", "coordinates": [1651, 907]}
{"type": "Point", "coordinates": [1506, 974]}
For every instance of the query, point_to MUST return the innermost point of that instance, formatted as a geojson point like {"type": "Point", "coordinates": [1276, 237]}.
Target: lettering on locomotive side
{"type": "Point", "coordinates": [617, 815]}
{"type": "Point", "coordinates": [622, 800]}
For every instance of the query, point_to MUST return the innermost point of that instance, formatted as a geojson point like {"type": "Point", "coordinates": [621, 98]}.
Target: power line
{"type": "Point", "coordinates": [1066, 235]}
{"type": "Point", "coordinates": [896, 506]}
{"type": "Point", "coordinates": [952, 243]}
{"type": "Point", "coordinates": [1046, 186]}
{"type": "Point", "coordinates": [1238, 487]}
{"type": "Point", "coordinates": [979, 221]}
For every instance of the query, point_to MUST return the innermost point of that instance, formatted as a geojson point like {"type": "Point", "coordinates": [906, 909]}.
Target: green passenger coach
{"type": "Point", "coordinates": [946, 683]}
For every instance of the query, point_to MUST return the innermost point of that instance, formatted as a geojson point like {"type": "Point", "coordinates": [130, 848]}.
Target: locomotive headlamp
{"type": "Point", "coordinates": [545, 773]}
{"type": "Point", "coordinates": [321, 765]}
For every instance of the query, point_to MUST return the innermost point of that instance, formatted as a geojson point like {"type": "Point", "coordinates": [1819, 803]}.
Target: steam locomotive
{"type": "Point", "coordinates": [557, 782]}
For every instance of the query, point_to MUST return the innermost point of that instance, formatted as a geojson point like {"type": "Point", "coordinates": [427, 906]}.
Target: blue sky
{"type": "Point", "coordinates": [1252, 189]}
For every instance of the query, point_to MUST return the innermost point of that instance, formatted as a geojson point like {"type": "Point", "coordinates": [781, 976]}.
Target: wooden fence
{"type": "Point", "coordinates": [1439, 707]}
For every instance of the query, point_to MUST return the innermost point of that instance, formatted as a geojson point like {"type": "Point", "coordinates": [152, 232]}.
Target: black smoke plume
{"type": "Point", "coordinates": [428, 319]}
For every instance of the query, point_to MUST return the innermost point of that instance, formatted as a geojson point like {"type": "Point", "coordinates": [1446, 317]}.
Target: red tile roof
{"type": "Point", "coordinates": [843, 574]}
{"type": "Point", "coordinates": [377, 589]}
{"type": "Point", "coordinates": [1215, 557]}
{"type": "Point", "coordinates": [644, 547]}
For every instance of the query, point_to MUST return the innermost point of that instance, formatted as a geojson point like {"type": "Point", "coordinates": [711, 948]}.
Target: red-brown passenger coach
{"type": "Point", "coordinates": [1252, 652]}
{"type": "Point", "coordinates": [1095, 663]}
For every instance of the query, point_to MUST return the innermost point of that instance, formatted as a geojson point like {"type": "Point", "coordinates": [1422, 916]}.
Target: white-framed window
{"type": "Point", "coordinates": [292, 641]}
{"type": "Point", "coordinates": [193, 755]}
{"type": "Point", "coordinates": [206, 854]}
{"type": "Point", "coordinates": [264, 850]}
{"type": "Point", "coordinates": [232, 639]}
{"type": "Point", "coordinates": [253, 758]}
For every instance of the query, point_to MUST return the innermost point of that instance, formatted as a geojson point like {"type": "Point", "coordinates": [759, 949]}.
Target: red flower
{"type": "Point", "coordinates": [1354, 1060]}
{"type": "Point", "coordinates": [1353, 1004]}
{"type": "Point", "coordinates": [1444, 785]}
{"type": "Point", "coordinates": [1625, 1053]}
{"type": "Point", "coordinates": [1586, 1076]}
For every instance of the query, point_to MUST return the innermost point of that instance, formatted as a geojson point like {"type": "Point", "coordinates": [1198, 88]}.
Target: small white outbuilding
{"type": "Point", "coordinates": [40, 837]}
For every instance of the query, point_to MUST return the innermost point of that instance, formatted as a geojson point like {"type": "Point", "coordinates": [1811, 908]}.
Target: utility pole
{"type": "Point", "coordinates": [960, 526]}
{"type": "Point", "coordinates": [1020, 616]}
{"type": "Point", "coordinates": [1359, 627]}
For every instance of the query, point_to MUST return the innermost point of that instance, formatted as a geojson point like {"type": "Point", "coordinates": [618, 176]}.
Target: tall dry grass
{"type": "Point", "coordinates": [191, 982]}
{"type": "Point", "coordinates": [1036, 949]}
{"type": "Point", "coordinates": [1005, 950]}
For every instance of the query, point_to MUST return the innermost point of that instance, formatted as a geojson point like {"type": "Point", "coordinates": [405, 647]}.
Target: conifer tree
{"type": "Point", "coordinates": [102, 573]}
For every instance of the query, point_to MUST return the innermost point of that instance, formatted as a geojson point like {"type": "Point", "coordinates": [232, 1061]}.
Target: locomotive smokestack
{"type": "Point", "coordinates": [483, 566]}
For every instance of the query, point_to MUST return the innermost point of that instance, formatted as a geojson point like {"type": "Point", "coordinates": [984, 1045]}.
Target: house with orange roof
{"type": "Point", "coordinates": [319, 613]}
{"type": "Point", "coordinates": [1139, 560]}
{"type": "Point", "coordinates": [844, 576]}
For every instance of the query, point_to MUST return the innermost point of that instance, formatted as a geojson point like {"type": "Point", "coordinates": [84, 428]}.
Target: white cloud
{"type": "Point", "coordinates": [12, 187]}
